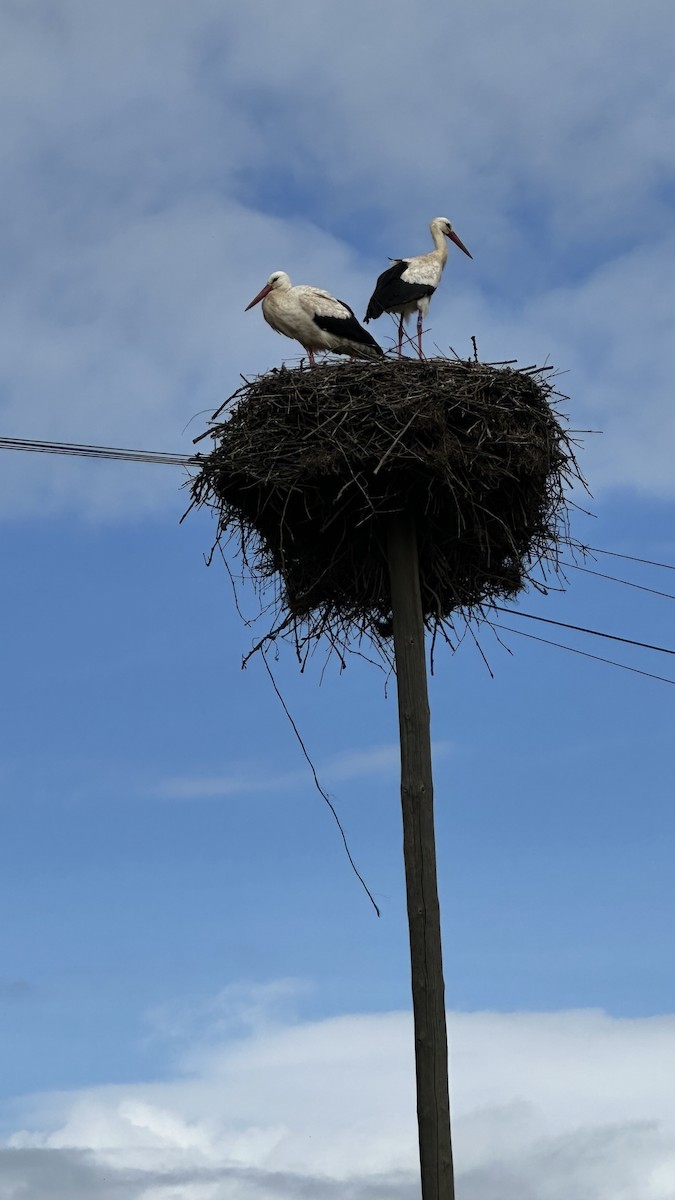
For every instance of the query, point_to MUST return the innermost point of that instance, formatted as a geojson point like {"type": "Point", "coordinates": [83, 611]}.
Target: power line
{"type": "Point", "coordinates": [615, 579]}
{"type": "Point", "coordinates": [319, 788]}
{"type": "Point", "coordinates": [585, 653]}
{"type": "Point", "coordinates": [629, 557]}
{"type": "Point", "coordinates": [166, 458]}
{"type": "Point", "coordinates": [107, 452]}
{"type": "Point", "coordinates": [613, 637]}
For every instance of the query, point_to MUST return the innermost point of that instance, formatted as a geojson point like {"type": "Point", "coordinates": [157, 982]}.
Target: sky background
{"type": "Point", "coordinates": [197, 1001]}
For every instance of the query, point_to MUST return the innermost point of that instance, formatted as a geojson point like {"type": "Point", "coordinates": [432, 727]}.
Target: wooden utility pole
{"type": "Point", "coordinates": [419, 852]}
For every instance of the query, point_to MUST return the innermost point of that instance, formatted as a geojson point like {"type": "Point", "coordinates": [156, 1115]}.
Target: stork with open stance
{"type": "Point", "coordinates": [409, 284]}
{"type": "Point", "coordinates": [314, 318]}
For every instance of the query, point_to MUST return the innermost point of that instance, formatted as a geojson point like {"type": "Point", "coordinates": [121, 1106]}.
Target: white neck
{"type": "Point", "coordinates": [439, 241]}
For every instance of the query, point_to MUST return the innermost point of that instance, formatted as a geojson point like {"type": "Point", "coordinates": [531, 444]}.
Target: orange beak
{"type": "Point", "coordinates": [458, 242]}
{"type": "Point", "coordinates": [261, 295]}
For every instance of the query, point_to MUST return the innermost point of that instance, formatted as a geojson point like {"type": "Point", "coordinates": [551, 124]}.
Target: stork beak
{"type": "Point", "coordinates": [458, 242]}
{"type": "Point", "coordinates": [261, 296]}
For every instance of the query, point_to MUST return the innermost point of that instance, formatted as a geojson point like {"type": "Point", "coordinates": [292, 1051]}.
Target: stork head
{"type": "Point", "coordinates": [278, 280]}
{"type": "Point", "coordinates": [444, 226]}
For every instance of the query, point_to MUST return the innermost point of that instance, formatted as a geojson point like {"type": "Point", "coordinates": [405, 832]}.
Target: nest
{"type": "Point", "coordinates": [310, 466]}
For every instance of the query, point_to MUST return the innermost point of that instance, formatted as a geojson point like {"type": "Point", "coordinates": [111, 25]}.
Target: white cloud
{"type": "Point", "coordinates": [609, 333]}
{"type": "Point", "coordinates": [164, 158]}
{"type": "Point", "coordinates": [547, 1105]}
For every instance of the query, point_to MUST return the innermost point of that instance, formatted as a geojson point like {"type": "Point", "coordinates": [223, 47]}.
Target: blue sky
{"type": "Point", "coordinates": [196, 999]}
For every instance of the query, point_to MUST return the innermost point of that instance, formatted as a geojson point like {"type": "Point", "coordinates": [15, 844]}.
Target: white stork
{"type": "Point", "coordinates": [409, 284]}
{"type": "Point", "coordinates": [314, 318]}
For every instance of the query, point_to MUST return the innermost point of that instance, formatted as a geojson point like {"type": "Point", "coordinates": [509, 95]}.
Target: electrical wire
{"type": "Point", "coordinates": [613, 637]}
{"type": "Point", "coordinates": [649, 562]}
{"type": "Point", "coordinates": [615, 579]}
{"type": "Point", "coordinates": [585, 653]}
{"type": "Point", "coordinates": [166, 458]}
{"type": "Point", "coordinates": [84, 450]}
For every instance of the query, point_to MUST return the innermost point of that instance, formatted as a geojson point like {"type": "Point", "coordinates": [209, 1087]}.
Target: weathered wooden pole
{"type": "Point", "coordinates": [419, 852]}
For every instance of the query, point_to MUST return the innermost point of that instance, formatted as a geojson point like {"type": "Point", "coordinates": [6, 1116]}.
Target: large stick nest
{"type": "Point", "coordinates": [310, 466]}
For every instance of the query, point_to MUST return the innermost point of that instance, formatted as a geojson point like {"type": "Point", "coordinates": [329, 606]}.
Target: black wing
{"type": "Point", "coordinates": [392, 292]}
{"type": "Point", "coordinates": [347, 327]}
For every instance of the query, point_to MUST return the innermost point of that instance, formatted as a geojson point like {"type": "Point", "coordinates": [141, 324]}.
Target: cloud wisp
{"type": "Point", "coordinates": [354, 764]}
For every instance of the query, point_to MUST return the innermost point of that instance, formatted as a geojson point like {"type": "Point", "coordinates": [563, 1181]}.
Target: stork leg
{"type": "Point", "coordinates": [400, 336]}
{"type": "Point", "coordinates": [419, 333]}
{"type": "Point", "coordinates": [310, 355]}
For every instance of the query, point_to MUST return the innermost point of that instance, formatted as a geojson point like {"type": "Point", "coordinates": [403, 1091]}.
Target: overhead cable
{"type": "Point", "coordinates": [108, 452]}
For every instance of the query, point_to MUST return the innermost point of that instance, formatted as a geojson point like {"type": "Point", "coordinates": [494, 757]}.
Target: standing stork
{"type": "Point", "coordinates": [314, 318]}
{"type": "Point", "coordinates": [409, 284]}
